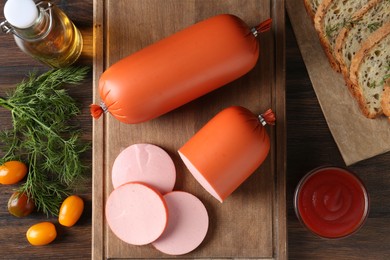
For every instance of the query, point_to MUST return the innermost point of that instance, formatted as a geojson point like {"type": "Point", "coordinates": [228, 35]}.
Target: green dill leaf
{"type": "Point", "coordinates": [373, 26]}
{"type": "Point", "coordinates": [331, 29]}
{"type": "Point", "coordinates": [385, 78]}
{"type": "Point", "coordinates": [372, 84]}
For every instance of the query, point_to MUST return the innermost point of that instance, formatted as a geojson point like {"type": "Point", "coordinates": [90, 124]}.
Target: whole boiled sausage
{"type": "Point", "coordinates": [178, 69]}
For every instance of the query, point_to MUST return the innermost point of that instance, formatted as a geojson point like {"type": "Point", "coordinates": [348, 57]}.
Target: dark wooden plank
{"type": "Point", "coordinates": [71, 243]}
{"type": "Point", "coordinates": [280, 228]}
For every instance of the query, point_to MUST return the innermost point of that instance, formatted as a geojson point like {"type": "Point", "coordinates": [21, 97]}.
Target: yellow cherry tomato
{"type": "Point", "coordinates": [71, 210]}
{"type": "Point", "coordinates": [12, 172]}
{"type": "Point", "coordinates": [41, 234]}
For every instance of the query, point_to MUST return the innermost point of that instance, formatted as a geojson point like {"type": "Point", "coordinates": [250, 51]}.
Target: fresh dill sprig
{"type": "Point", "coordinates": [43, 137]}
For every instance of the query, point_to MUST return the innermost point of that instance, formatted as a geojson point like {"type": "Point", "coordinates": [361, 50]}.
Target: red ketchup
{"type": "Point", "coordinates": [331, 202]}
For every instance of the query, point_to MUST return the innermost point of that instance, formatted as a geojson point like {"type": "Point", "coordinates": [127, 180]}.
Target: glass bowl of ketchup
{"type": "Point", "coordinates": [331, 202]}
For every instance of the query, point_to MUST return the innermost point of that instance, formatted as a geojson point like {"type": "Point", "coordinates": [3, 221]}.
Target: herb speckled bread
{"type": "Point", "coordinates": [370, 70]}
{"type": "Point", "coordinates": [311, 6]}
{"type": "Point", "coordinates": [350, 38]}
{"type": "Point", "coordinates": [331, 17]}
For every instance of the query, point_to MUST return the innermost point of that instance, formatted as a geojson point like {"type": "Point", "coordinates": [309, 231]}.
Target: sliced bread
{"type": "Point", "coordinates": [311, 6]}
{"type": "Point", "coordinates": [331, 17]}
{"type": "Point", "coordinates": [370, 69]}
{"type": "Point", "coordinates": [350, 38]}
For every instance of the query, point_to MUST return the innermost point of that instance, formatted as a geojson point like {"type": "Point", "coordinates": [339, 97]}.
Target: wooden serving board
{"type": "Point", "coordinates": [251, 223]}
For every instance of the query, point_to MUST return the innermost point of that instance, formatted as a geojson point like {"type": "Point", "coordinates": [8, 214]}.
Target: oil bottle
{"type": "Point", "coordinates": [43, 31]}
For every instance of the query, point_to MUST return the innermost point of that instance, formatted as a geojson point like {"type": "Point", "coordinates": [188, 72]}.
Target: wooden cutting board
{"type": "Point", "coordinates": [251, 223]}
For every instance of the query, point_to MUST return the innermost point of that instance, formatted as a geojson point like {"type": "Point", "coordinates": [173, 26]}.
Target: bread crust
{"type": "Point", "coordinates": [385, 101]}
{"type": "Point", "coordinates": [339, 57]}
{"type": "Point", "coordinates": [309, 9]}
{"type": "Point", "coordinates": [319, 26]}
{"type": "Point", "coordinates": [357, 60]}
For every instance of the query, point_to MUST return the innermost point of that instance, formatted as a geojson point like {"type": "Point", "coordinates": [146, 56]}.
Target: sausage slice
{"type": "Point", "coordinates": [145, 163]}
{"type": "Point", "coordinates": [136, 213]}
{"type": "Point", "coordinates": [187, 224]}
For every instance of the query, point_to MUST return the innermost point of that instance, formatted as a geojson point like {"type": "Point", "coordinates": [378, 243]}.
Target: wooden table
{"type": "Point", "coordinates": [309, 144]}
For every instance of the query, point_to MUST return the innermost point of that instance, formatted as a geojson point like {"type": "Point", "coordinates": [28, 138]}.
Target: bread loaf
{"type": "Point", "coordinates": [331, 17]}
{"type": "Point", "coordinates": [350, 38]}
{"type": "Point", "coordinates": [369, 71]}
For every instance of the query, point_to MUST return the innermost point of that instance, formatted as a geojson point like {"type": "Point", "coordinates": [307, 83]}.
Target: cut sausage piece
{"type": "Point", "coordinates": [145, 163]}
{"type": "Point", "coordinates": [227, 150]}
{"type": "Point", "coordinates": [187, 224]}
{"type": "Point", "coordinates": [136, 213]}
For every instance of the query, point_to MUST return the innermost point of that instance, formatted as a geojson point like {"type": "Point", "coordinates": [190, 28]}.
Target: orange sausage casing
{"type": "Point", "coordinates": [227, 150]}
{"type": "Point", "coordinates": [178, 69]}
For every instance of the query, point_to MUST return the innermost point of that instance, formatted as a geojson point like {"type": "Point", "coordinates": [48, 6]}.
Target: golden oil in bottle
{"type": "Point", "coordinates": [43, 31]}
